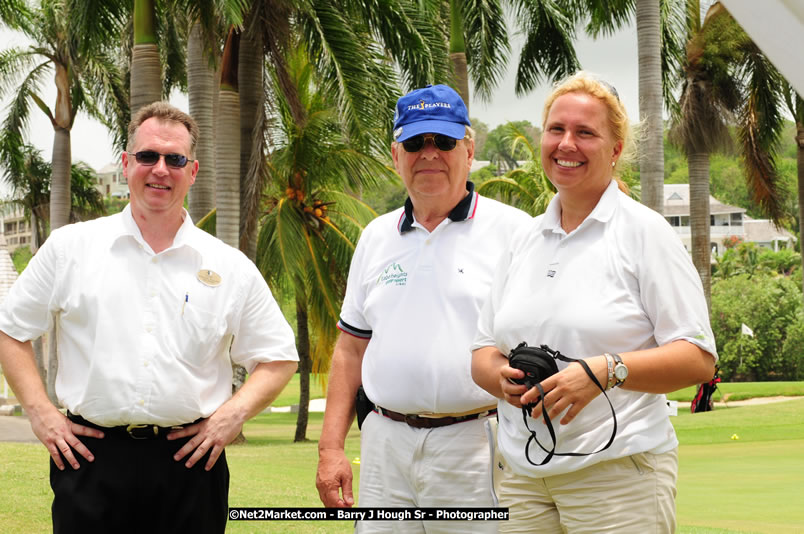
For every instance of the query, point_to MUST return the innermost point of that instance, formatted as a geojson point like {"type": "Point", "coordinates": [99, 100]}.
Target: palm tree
{"type": "Point", "coordinates": [209, 24]}
{"type": "Point", "coordinates": [146, 68]}
{"type": "Point", "coordinates": [659, 30]}
{"type": "Point", "coordinates": [478, 42]}
{"type": "Point", "coordinates": [201, 82]}
{"type": "Point", "coordinates": [227, 155]}
{"type": "Point", "coordinates": [29, 175]}
{"type": "Point", "coordinates": [725, 79]}
{"type": "Point", "coordinates": [342, 44]}
{"type": "Point", "coordinates": [312, 222]}
{"type": "Point", "coordinates": [153, 34]}
{"type": "Point", "coordinates": [86, 80]}
{"type": "Point", "coordinates": [251, 86]}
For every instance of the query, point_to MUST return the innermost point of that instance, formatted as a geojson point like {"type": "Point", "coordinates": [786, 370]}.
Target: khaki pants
{"type": "Point", "coordinates": [635, 494]}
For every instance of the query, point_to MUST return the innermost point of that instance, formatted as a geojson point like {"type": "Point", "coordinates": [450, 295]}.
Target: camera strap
{"type": "Point", "coordinates": [552, 451]}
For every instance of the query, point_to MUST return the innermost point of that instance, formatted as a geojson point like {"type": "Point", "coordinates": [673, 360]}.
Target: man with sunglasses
{"type": "Point", "coordinates": [151, 311]}
{"type": "Point", "coordinates": [416, 284]}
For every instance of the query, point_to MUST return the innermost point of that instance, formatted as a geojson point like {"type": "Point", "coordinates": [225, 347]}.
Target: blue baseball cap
{"type": "Point", "coordinates": [434, 109]}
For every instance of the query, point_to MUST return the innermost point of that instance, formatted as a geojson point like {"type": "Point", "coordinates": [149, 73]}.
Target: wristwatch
{"type": "Point", "coordinates": [620, 370]}
{"type": "Point", "coordinates": [610, 367]}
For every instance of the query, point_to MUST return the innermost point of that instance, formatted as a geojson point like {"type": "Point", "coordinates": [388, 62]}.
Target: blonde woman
{"type": "Point", "coordinates": [600, 278]}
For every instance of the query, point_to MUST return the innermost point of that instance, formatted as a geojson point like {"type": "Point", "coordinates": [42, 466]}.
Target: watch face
{"type": "Point", "coordinates": [621, 372]}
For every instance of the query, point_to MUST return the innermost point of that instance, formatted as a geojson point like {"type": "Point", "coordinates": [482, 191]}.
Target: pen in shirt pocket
{"type": "Point", "coordinates": [186, 300]}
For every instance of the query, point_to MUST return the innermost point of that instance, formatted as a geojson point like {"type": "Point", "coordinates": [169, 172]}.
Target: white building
{"type": "Point", "coordinates": [16, 231]}
{"type": "Point", "coordinates": [111, 182]}
{"type": "Point", "coordinates": [725, 222]}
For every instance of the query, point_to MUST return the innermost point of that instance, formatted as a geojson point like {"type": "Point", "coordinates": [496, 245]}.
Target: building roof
{"type": "Point", "coordinates": [111, 168]}
{"type": "Point", "coordinates": [764, 231]}
{"type": "Point", "coordinates": [677, 202]}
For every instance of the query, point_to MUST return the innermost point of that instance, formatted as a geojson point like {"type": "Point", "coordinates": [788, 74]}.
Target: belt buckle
{"type": "Point", "coordinates": [133, 431]}
{"type": "Point", "coordinates": [415, 421]}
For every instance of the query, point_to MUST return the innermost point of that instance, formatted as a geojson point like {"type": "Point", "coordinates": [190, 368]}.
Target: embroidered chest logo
{"type": "Point", "coordinates": [394, 275]}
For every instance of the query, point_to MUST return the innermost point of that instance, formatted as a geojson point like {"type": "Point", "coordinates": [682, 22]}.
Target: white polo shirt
{"type": "Point", "coordinates": [417, 294]}
{"type": "Point", "coordinates": [144, 337]}
{"type": "Point", "coordinates": [622, 281]}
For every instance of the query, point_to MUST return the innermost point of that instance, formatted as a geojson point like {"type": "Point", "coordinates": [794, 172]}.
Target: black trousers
{"type": "Point", "coordinates": [137, 486]}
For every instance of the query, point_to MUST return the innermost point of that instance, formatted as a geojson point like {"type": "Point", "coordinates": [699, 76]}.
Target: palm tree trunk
{"type": "Point", "coordinates": [698, 165]}
{"type": "Point", "coordinates": [60, 200]}
{"type": "Point", "coordinates": [800, 162]}
{"type": "Point", "coordinates": [651, 153]}
{"type": "Point", "coordinates": [146, 69]}
{"type": "Point", "coordinates": [200, 88]}
{"type": "Point", "coordinates": [36, 236]}
{"type": "Point", "coordinates": [228, 148]}
{"type": "Point", "coordinates": [228, 173]}
{"type": "Point", "coordinates": [250, 86]}
{"type": "Point", "coordinates": [60, 203]}
{"type": "Point", "coordinates": [457, 52]}
{"type": "Point", "coordinates": [305, 365]}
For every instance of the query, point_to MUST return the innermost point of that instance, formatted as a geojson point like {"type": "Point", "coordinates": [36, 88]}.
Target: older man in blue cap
{"type": "Point", "coordinates": [417, 281]}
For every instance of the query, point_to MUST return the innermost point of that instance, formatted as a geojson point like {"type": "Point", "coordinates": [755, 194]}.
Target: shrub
{"type": "Point", "coordinates": [771, 306]}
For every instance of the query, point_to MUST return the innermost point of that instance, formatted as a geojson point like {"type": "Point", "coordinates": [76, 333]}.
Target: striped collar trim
{"type": "Point", "coordinates": [464, 210]}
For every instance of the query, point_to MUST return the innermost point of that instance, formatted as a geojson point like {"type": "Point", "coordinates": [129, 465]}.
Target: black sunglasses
{"type": "Point", "coordinates": [151, 157]}
{"type": "Point", "coordinates": [441, 142]}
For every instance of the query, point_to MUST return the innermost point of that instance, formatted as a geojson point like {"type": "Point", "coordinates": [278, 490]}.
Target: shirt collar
{"type": "Point", "coordinates": [603, 211]}
{"type": "Point", "coordinates": [463, 210]}
{"type": "Point", "coordinates": [184, 236]}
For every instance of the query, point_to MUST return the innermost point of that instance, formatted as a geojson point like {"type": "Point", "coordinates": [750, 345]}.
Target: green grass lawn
{"type": "Point", "coordinates": [747, 485]}
{"type": "Point", "coordinates": [290, 395]}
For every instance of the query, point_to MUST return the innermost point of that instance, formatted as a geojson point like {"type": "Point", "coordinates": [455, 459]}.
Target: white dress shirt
{"type": "Point", "coordinates": [145, 337]}
{"type": "Point", "coordinates": [621, 281]}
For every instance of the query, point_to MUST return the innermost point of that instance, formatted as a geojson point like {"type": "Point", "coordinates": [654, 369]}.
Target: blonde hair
{"type": "Point", "coordinates": [167, 113]}
{"type": "Point", "coordinates": [584, 82]}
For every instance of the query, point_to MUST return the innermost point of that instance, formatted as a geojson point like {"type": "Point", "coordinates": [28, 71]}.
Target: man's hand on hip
{"type": "Point", "coordinates": [334, 476]}
{"type": "Point", "coordinates": [210, 435]}
{"type": "Point", "coordinates": [59, 435]}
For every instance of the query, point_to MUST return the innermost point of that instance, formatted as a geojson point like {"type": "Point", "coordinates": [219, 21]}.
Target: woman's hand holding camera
{"type": "Point", "coordinates": [510, 389]}
{"type": "Point", "coordinates": [569, 388]}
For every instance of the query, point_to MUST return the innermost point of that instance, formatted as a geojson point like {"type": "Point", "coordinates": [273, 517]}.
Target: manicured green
{"type": "Point", "coordinates": [747, 485]}
{"type": "Point", "coordinates": [290, 395]}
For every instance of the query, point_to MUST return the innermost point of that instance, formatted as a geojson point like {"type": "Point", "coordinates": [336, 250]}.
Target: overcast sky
{"type": "Point", "coordinates": [613, 58]}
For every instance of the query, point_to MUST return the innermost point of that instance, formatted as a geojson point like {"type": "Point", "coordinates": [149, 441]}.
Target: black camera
{"type": "Point", "coordinates": [537, 363]}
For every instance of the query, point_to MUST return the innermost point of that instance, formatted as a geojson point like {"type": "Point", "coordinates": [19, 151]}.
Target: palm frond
{"type": "Point", "coordinates": [18, 109]}
{"type": "Point", "coordinates": [408, 37]}
{"type": "Point", "coordinates": [606, 17]}
{"type": "Point", "coordinates": [548, 52]}
{"type": "Point", "coordinates": [760, 127]}
{"type": "Point", "coordinates": [95, 21]}
{"type": "Point", "coordinates": [672, 20]}
{"type": "Point", "coordinates": [487, 45]}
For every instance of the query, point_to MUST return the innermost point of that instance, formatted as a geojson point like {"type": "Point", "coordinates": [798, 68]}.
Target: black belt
{"type": "Point", "coordinates": [419, 421]}
{"type": "Point", "coordinates": [129, 431]}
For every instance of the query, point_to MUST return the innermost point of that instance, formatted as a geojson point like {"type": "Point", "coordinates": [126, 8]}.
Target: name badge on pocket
{"type": "Point", "coordinates": [209, 278]}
